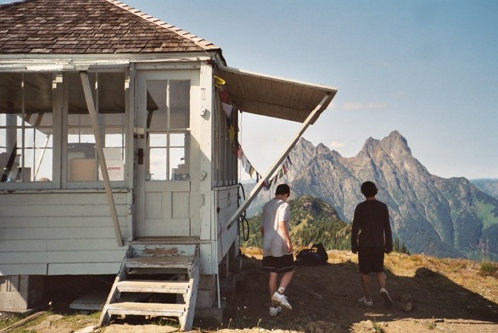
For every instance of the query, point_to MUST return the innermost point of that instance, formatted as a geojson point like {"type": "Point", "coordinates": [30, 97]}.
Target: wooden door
{"type": "Point", "coordinates": [163, 153]}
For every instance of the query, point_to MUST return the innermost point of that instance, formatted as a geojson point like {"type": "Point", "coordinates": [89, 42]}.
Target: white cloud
{"type": "Point", "coordinates": [355, 106]}
{"type": "Point", "coordinates": [336, 144]}
{"type": "Point", "coordinates": [350, 106]}
{"type": "Point", "coordinates": [376, 106]}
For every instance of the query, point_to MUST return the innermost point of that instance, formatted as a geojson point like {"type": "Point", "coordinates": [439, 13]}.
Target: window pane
{"type": "Point", "coordinates": [156, 105]}
{"type": "Point", "coordinates": [157, 140]}
{"type": "Point", "coordinates": [81, 155]}
{"type": "Point", "coordinates": [157, 164]}
{"type": "Point", "coordinates": [109, 98]}
{"type": "Point", "coordinates": [168, 108]}
{"type": "Point", "coordinates": [38, 140]}
{"type": "Point", "coordinates": [26, 143]}
{"type": "Point", "coordinates": [178, 153]}
{"type": "Point", "coordinates": [179, 96]}
{"type": "Point", "coordinates": [112, 118]}
{"type": "Point", "coordinates": [178, 170]}
{"type": "Point", "coordinates": [111, 93]}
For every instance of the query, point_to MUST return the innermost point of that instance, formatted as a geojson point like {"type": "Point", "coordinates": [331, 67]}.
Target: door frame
{"type": "Point", "coordinates": [143, 185]}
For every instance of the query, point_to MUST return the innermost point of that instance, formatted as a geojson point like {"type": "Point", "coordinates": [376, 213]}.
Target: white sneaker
{"type": "Point", "coordinates": [275, 310]}
{"type": "Point", "coordinates": [281, 299]}
{"type": "Point", "coordinates": [385, 295]}
{"type": "Point", "coordinates": [365, 301]}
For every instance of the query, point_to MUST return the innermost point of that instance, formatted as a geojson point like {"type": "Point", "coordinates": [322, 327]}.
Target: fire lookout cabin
{"type": "Point", "coordinates": [117, 154]}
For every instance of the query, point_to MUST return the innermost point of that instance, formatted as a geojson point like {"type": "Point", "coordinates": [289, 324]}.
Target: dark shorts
{"type": "Point", "coordinates": [371, 259]}
{"type": "Point", "coordinates": [279, 264]}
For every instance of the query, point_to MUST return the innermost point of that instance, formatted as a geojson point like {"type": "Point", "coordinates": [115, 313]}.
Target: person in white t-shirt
{"type": "Point", "coordinates": [278, 255]}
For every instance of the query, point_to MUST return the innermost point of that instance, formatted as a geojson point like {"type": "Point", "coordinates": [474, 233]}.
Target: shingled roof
{"type": "Point", "coordinates": [89, 27]}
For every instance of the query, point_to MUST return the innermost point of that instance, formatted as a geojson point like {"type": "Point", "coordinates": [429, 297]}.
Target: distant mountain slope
{"type": "Point", "coordinates": [430, 214]}
{"type": "Point", "coordinates": [489, 186]}
{"type": "Point", "coordinates": [312, 221]}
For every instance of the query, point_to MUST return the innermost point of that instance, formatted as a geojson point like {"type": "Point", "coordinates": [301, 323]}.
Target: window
{"type": "Point", "coordinates": [33, 109]}
{"type": "Point", "coordinates": [167, 129]}
{"type": "Point", "coordinates": [26, 127]}
{"type": "Point", "coordinates": [81, 159]}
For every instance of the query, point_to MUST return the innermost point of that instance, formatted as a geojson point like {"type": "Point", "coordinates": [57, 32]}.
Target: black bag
{"type": "Point", "coordinates": [312, 257]}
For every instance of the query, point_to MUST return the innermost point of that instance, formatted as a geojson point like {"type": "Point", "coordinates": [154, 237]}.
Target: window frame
{"type": "Point", "coordinates": [60, 88]}
{"type": "Point", "coordinates": [99, 184]}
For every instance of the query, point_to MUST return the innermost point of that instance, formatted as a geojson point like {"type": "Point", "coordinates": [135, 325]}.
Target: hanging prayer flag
{"type": "Point", "coordinates": [237, 151]}
{"type": "Point", "coordinates": [244, 161]}
{"type": "Point", "coordinates": [247, 166]}
{"type": "Point", "coordinates": [227, 108]}
{"type": "Point", "coordinates": [231, 133]}
{"type": "Point", "coordinates": [223, 95]}
{"type": "Point", "coordinates": [251, 171]}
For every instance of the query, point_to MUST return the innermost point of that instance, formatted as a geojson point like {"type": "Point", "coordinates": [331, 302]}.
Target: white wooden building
{"type": "Point", "coordinates": [115, 145]}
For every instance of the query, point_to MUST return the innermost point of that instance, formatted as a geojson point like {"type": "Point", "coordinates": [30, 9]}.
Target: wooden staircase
{"type": "Point", "coordinates": [156, 280]}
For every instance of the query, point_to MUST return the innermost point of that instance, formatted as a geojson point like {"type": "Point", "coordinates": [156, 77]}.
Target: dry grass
{"type": "Point", "coordinates": [464, 272]}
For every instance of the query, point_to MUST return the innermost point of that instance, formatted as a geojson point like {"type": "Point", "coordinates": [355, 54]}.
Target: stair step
{"type": "Point", "coordinates": [151, 286]}
{"type": "Point", "coordinates": [160, 262]}
{"type": "Point", "coordinates": [146, 309]}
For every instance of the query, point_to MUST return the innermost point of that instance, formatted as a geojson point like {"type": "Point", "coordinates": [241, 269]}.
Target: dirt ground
{"type": "Point", "coordinates": [324, 299]}
{"type": "Point", "coordinates": [429, 295]}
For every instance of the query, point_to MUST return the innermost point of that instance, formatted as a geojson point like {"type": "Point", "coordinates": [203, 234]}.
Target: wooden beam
{"type": "Point", "coordinates": [87, 89]}
{"type": "Point", "coordinates": [311, 118]}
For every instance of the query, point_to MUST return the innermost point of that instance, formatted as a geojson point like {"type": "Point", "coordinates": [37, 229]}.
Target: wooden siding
{"type": "Point", "coordinates": [227, 202]}
{"type": "Point", "coordinates": [61, 233]}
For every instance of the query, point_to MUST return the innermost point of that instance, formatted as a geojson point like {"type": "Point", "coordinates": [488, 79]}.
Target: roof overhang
{"type": "Point", "coordinates": [273, 96]}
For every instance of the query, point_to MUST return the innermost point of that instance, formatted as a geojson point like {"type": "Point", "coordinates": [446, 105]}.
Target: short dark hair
{"type": "Point", "coordinates": [369, 189]}
{"type": "Point", "coordinates": [282, 189]}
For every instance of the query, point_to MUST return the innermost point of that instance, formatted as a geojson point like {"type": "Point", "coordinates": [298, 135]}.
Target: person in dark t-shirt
{"type": "Point", "coordinates": [371, 237]}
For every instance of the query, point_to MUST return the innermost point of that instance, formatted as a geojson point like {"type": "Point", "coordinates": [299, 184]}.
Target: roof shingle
{"type": "Point", "coordinates": [89, 27]}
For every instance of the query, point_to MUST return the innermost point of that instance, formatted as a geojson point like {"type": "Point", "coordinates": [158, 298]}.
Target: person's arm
{"type": "Point", "coordinates": [282, 226]}
{"type": "Point", "coordinates": [354, 232]}
{"type": "Point", "coordinates": [262, 230]}
{"type": "Point", "coordinates": [387, 233]}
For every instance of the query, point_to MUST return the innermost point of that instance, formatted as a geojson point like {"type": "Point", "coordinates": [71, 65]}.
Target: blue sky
{"type": "Point", "coordinates": [427, 68]}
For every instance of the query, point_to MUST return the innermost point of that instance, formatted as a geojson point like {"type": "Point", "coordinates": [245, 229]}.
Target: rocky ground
{"type": "Point", "coordinates": [449, 295]}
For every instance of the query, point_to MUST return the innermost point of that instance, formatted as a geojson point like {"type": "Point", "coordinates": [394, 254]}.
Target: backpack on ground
{"type": "Point", "coordinates": [316, 255]}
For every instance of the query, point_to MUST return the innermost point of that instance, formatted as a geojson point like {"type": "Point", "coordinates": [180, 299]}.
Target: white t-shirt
{"type": "Point", "coordinates": [275, 211]}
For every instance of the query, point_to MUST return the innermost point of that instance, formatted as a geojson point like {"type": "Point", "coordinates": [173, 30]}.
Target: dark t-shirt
{"type": "Point", "coordinates": [371, 227]}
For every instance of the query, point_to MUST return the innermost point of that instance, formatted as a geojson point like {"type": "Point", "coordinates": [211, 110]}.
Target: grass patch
{"type": "Point", "coordinates": [377, 328]}
{"type": "Point", "coordinates": [431, 325]}
{"type": "Point", "coordinates": [8, 319]}
{"type": "Point", "coordinates": [72, 321]}
{"type": "Point", "coordinates": [488, 268]}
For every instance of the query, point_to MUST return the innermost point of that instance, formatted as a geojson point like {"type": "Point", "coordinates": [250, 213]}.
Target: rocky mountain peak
{"type": "Point", "coordinates": [443, 217]}
{"type": "Point", "coordinates": [321, 148]}
{"type": "Point", "coordinates": [370, 144]}
{"type": "Point", "coordinates": [395, 143]}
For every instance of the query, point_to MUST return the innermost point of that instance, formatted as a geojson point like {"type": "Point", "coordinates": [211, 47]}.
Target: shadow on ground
{"type": "Point", "coordinates": [329, 293]}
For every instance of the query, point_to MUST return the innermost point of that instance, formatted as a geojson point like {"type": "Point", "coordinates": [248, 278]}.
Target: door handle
{"type": "Point", "coordinates": [140, 156]}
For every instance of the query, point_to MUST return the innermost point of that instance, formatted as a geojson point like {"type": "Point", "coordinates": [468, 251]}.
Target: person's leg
{"type": "Point", "coordinates": [286, 279]}
{"type": "Point", "coordinates": [365, 285]}
{"type": "Point", "coordinates": [272, 282]}
{"type": "Point", "coordinates": [381, 280]}
{"type": "Point", "coordinates": [286, 265]}
{"type": "Point", "coordinates": [278, 296]}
